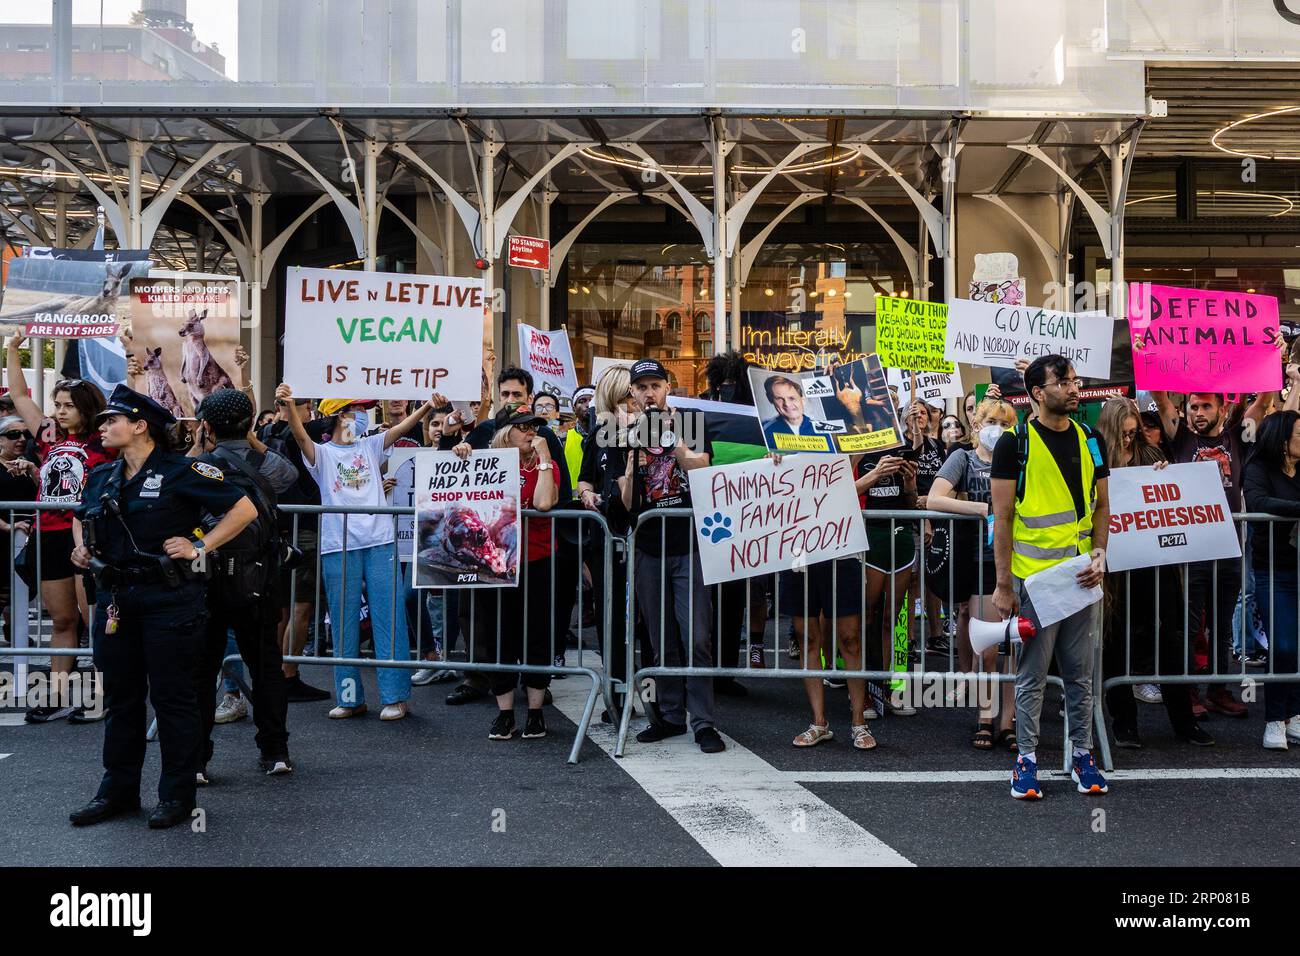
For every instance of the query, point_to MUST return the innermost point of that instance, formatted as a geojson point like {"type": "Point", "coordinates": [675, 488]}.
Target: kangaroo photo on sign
{"type": "Point", "coordinates": [183, 332]}
{"type": "Point", "coordinates": [69, 293]}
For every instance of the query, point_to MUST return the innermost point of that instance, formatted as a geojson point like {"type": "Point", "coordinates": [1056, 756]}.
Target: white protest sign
{"type": "Point", "coordinates": [1171, 516]}
{"type": "Point", "coordinates": [548, 357]}
{"type": "Point", "coordinates": [930, 386]}
{"type": "Point", "coordinates": [467, 519]}
{"type": "Point", "coordinates": [756, 517]}
{"type": "Point", "coordinates": [600, 363]}
{"type": "Point", "coordinates": [997, 334]}
{"type": "Point", "coordinates": [401, 465]}
{"type": "Point", "coordinates": [1057, 594]}
{"type": "Point", "coordinates": [382, 335]}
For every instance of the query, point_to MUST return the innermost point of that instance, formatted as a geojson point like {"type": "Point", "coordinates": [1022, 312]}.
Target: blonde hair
{"type": "Point", "coordinates": [612, 387]}
{"type": "Point", "coordinates": [994, 407]}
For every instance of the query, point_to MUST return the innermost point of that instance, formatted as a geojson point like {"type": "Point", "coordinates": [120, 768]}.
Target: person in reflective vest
{"type": "Point", "coordinates": [1050, 504]}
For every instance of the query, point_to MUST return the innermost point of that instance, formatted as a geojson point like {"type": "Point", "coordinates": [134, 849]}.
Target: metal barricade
{"type": "Point", "coordinates": [889, 522]}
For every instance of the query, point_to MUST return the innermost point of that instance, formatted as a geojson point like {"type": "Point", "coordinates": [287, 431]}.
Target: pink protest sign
{"type": "Point", "coordinates": [1187, 340]}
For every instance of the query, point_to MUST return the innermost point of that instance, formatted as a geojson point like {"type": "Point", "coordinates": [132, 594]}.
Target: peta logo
{"type": "Point", "coordinates": [466, 578]}
{"type": "Point", "coordinates": [1173, 540]}
{"type": "Point", "coordinates": [76, 909]}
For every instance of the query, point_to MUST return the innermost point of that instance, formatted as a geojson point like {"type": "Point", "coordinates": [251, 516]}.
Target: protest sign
{"type": "Point", "coordinates": [467, 519]}
{"type": "Point", "coordinates": [757, 517]}
{"type": "Point", "coordinates": [599, 363]}
{"type": "Point", "coordinates": [401, 466]}
{"type": "Point", "coordinates": [1187, 340]}
{"type": "Point", "coordinates": [845, 411]}
{"type": "Point", "coordinates": [382, 335]}
{"type": "Point", "coordinates": [1171, 516]}
{"type": "Point", "coordinates": [910, 334]}
{"type": "Point", "coordinates": [183, 330]}
{"type": "Point", "coordinates": [548, 357]}
{"type": "Point", "coordinates": [930, 386]}
{"type": "Point", "coordinates": [69, 293]}
{"type": "Point", "coordinates": [990, 333]}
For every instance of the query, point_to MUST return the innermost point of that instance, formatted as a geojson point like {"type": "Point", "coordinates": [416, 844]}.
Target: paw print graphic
{"type": "Point", "coordinates": [716, 527]}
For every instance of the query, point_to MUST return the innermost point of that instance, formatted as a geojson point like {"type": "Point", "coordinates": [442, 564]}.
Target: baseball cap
{"type": "Point", "coordinates": [647, 368]}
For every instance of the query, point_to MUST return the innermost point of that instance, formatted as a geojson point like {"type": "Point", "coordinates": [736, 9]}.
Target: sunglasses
{"type": "Point", "coordinates": [13, 436]}
{"type": "Point", "coordinates": [64, 383]}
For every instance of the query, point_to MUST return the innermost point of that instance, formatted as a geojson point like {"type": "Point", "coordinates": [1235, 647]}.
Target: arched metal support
{"type": "Point", "coordinates": [749, 252]}
{"type": "Point", "coordinates": [911, 257]}
{"type": "Point", "coordinates": [560, 250]}
{"type": "Point", "coordinates": [1049, 252]}
{"type": "Point", "coordinates": [933, 218]}
{"type": "Point", "coordinates": [469, 214]}
{"type": "Point", "coordinates": [1102, 221]}
{"type": "Point", "coordinates": [696, 210]}
{"type": "Point", "coordinates": [152, 215]}
{"type": "Point", "coordinates": [504, 215]}
{"type": "Point", "coordinates": [740, 208]}
{"type": "Point", "coordinates": [431, 248]}
{"type": "Point", "coordinates": [117, 216]}
{"type": "Point", "coordinates": [1121, 171]}
{"type": "Point", "coordinates": [351, 214]}
{"type": "Point", "coordinates": [16, 219]}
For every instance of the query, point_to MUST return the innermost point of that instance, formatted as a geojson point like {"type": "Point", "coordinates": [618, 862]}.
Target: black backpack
{"type": "Point", "coordinates": [247, 567]}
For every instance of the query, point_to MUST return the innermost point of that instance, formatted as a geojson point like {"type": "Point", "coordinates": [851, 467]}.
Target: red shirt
{"type": "Point", "coordinates": [539, 529]}
{"type": "Point", "coordinates": [65, 463]}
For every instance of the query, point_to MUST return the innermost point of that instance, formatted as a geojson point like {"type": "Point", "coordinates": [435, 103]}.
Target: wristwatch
{"type": "Point", "coordinates": [199, 546]}
{"type": "Point", "coordinates": [545, 465]}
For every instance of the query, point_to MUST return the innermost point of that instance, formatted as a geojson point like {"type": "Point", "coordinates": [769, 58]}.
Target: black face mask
{"type": "Point", "coordinates": [725, 393]}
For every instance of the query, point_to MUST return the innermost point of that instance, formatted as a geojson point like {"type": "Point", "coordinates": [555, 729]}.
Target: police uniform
{"type": "Point", "coordinates": [149, 613]}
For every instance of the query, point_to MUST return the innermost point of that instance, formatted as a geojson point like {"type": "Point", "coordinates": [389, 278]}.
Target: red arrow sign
{"type": "Point", "coordinates": [528, 253]}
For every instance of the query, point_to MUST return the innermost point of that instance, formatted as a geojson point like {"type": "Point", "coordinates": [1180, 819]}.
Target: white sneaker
{"type": "Point", "coordinates": [394, 711]}
{"type": "Point", "coordinates": [1293, 729]}
{"type": "Point", "coordinates": [1275, 735]}
{"type": "Point", "coordinates": [1148, 693]}
{"type": "Point", "coordinates": [424, 675]}
{"type": "Point", "coordinates": [232, 707]}
{"type": "Point", "coordinates": [870, 712]}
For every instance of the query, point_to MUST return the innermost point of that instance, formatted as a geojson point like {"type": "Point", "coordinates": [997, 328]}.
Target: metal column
{"type": "Point", "coordinates": [372, 202]}
{"type": "Point", "coordinates": [720, 150]}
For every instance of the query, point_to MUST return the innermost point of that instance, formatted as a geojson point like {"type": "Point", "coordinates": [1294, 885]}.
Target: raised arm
{"type": "Point", "coordinates": [395, 432]}
{"type": "Point", "coordinates": [283, 393]}
{"type": "Point", "coordinates": [28, 410]}
{"type": "Point", "coordinates": [1167, 411]}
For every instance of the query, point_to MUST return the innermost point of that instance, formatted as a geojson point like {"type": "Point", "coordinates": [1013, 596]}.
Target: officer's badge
{"type": "Point", "coordinates": [208, 471]}
{"type": "Point", "coordinates": [152, 484]}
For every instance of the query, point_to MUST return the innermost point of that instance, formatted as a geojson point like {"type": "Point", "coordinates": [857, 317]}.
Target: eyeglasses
{"type": "Point", "coordinates": [13, 436]}
{"type": "Point", "coordinates": [1069, 384]}
{"type": "Point", "coordinates": [1131, 433]}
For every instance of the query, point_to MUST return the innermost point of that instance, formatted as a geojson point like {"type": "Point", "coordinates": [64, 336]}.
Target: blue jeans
{"type": "Point", "coordinates": [228, 685]}
{"type": "Point", "coordinates": [1248, 606]}
{"type": "Point", "coordinates": [379, 570]}
{"type": "Point", "coordinates": [1278, 604]}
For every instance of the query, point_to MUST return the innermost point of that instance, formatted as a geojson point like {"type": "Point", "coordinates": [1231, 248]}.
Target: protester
{"type": "Point", "coordinates": [360, 547]}
{"type": "Point", "coordinates": [1213, 586]}
{"type": "Point", "coordinates": [547, 407]}
{"type": "Point", "coordinates": [523, 619]}
{"type": "Point", "coordinates": [439, 611]}
{"type": "Point", "coordinates": [1144, 607]}
{"type": "Point", "coordinates": [1048, 481]}
{"type": "Point", "coordinates": [953, 434]}
{"type": "Point", "coordinates": [69, 448]}
{"type": "Point", "coordinates": [669, 581]}
{"type": "Point", "coordinates": [226, 441]}
{"type": "Point", "coordinates": [1273, 487]}
{"type": "Point", "coordinates": [920, 421]}
{"type": "Point", "coordinates": [264, 418]}
{"type": "Point", "coordinates": [17, 483]}
{"type": "Point", "coordinates": [135, 529]}
{"type": "Point", "coordinates": [966, 472]}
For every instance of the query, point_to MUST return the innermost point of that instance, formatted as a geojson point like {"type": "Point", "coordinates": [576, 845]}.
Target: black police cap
{"type": "Point", "coordinates": [137, 407]}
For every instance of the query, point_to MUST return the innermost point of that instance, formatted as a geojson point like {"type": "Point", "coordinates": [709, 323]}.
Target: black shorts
{"type": "Point", "coordinates": [834, 589]}
{"type": "Point", "coordinates": [55, 554]}
{"type": "Point", "coordinates": [303, 576]}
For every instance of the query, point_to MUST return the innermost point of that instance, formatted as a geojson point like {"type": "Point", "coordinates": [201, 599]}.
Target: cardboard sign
{"type": "Point", "coordinates": [467, 519]}
{"type": "Point", "coordinates": [1175, 515]}
{"type": "Point", "coordinates": [930, 386]}
{"type": "Point", "coordinates": [382, 335]}
{"type": "Point", "coordinates": [989, 333]}
{"type": "Point", "coordinates": [910, 334]}
{"type": "Point", "coordinates": [846, 411]}
{"type": "Point", "coordinates": [401, 465]}
{"type": "Point", "coordinates": [548, 356]}
{"type": "Point", "coordinates": [599, 363]}
{"type": "Point", "coordinates": [757, 517]}
{"type": "Point", "coordinates": [69, 293]}
{"type": "Point", "coordinates": [1190, 340]}
{"type": "Point", "coordinates": [183, 330]}
{"type": "Point", "coordinates": [528, 253]}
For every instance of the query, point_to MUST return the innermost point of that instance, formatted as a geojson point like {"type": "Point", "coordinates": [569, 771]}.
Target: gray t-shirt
{"type": "Point", "coordinates": [968, 473]}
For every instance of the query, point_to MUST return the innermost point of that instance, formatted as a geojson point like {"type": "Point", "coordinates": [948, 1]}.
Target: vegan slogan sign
{"type": "Point", "coordinates": [547, 355]}
{"type": "Point", "coordinates": [757, 516]}
{"type": "Point", "coordinates": [997, 334]}
{"type": "Point", "coordinates": [910, 334]}
{"type": "Point", "coordinates": [1187, 340]}
{"type": "Point", "coordinates": [467, 519]}
{"type": "Point", "coordinates": [1177, 514]}
{"type": "Point", "coordinates": [382, 335]}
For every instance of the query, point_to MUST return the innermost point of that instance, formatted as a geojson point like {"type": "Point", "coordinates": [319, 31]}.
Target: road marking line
{"type": "Point", "coordinates": [1002, 776]}
{"type": "Point", "coordinates": [13, 720]}
{"type": "Point", "coordinates": [2, 756]}
{"type": "Point", "coordinates": [740, 809]}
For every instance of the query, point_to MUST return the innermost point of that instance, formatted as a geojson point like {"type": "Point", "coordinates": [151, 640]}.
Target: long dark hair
{"type": "Point", "coordinates": [1273, 437]}
{"type": "Point", "coordinates": [88, 400]}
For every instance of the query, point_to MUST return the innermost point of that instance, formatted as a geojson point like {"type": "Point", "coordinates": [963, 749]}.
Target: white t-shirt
{"type": "Point", "coordinates": [349, 475]}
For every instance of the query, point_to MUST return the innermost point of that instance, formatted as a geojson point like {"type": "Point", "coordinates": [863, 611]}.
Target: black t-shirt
{"type": "Point", "coordinates": [13, 488]}
{"type": "Point", "coordinates": [1225, 449]}
{"type": "Point", "coordinates": [931, 458]}
{"type": "Point", "coordinates": [602, 466]}
{"type": "Point", "coordinates": [888, 493]}
{"type": "Point", "coordinates": [1064, 449]}
{"type": "Point", "coordinates": [660, 482]}
{"type": "Point", "coordinates": [1271, 491]}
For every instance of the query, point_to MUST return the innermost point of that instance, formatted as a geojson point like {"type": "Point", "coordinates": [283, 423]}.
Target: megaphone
{"type": "Point", "coordinates": [984, 634]}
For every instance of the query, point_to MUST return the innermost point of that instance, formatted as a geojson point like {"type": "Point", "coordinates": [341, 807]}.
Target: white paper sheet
{"type": "Point", "coordinates": [1056, 594]}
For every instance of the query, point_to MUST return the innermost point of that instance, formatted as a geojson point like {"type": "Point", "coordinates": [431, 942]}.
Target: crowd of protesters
{"type": "Point", "coordinates": [349, 587]}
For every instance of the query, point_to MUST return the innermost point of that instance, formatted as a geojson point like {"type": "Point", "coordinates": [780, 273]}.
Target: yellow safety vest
{"type": "Point", "coordinates": [1046, 530]}
{"type": "Point", "coordinates": [573, 455]}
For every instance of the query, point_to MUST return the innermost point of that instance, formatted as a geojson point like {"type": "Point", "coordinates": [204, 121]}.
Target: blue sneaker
{"type": "Point", "coordinates": [1024, 780]}
{"type": "Point", "coordinates": [1087, 776]}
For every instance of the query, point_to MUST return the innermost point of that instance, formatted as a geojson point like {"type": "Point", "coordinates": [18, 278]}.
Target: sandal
{"type": "Point", "coordinates": [1008, 738]}
{"type": "Point", "coordinates": [814, 735]}
{"type": "Point", "coordinates": [983, 739]}
{"type": "Point", "coordinates": [862, 739]}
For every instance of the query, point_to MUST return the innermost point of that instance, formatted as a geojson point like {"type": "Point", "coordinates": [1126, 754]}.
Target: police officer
{"type": "Point", "coordinates": [136, 531]}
